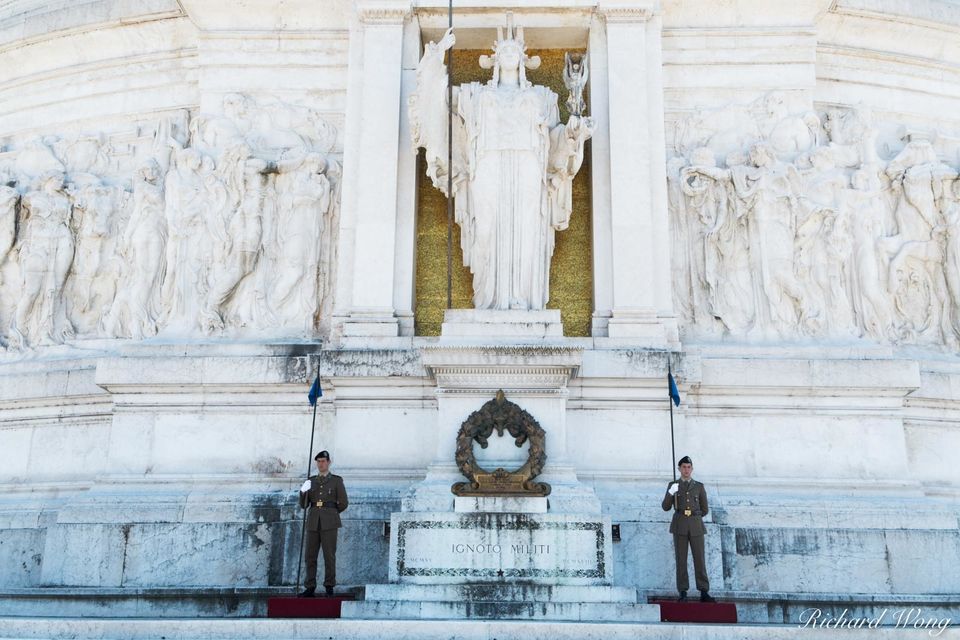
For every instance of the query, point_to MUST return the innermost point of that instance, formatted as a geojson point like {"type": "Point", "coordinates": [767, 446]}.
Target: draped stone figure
{"type": "Point", "coordinates": [705, 186]}
{"type": "Point", "coordinates": [92, 282]}
{"type": "Point", "coordinates": [952, 257]}
{"type": "Point", "coordinates": [46, 253]}
{"type": "Point", "coordinates": [823, 247]}
{"type": "Point", "coordinates": [188, 203]}
{"type": "Point", "coordinates": [304, 199]}
{"type": "Point", "coordinates": [136, 309]}
{"type": "Point", "coordinates": [241, 251]}
{"type": "Point", "coordinates": [865, 209]}
{"type": "Point", "coordinates": [9, 198]}
{"type": "Point", "coordinates": [767, 191]}
{"type": "Point", "coordinates": [513, 164]}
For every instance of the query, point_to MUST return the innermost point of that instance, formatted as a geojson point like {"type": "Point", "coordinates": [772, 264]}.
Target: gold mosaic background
{"type": "Point", "coordinates": [571, 271]}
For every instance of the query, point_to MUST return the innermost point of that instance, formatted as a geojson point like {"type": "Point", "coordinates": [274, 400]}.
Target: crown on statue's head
{"type": "Point", "coordinates": [513, 38]}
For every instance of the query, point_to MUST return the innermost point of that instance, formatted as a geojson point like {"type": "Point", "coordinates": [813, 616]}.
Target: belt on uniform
{"type": "Point", "coordinates": [328, 505]}
{"type": "Point", "coordinates": [688, 512]}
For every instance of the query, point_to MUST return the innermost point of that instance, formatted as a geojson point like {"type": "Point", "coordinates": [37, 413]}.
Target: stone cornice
{"type": "Point", "coordinates": [382, 14]}
{"type": "Point", "coordinates": [471, 369]}
{"type": "Point", "coordinates": [626, 12]}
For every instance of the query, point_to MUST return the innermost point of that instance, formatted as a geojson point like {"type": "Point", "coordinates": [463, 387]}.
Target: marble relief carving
{"type": "Point", "coordinates": [207, 225]}
{"type": "Point", "coordinates": [790, 226]}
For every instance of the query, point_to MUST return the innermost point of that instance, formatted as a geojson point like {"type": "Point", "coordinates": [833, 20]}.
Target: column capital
{"type": "Point", "coordinates": [627, 11]}
{"type": "Point", "coordinates": [383, 12]}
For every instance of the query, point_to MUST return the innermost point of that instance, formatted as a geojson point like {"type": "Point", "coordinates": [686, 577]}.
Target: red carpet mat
{"type": "Point", "coordinates": [694, 611]}
{"type": "Point", "coordinates": [320, 607]}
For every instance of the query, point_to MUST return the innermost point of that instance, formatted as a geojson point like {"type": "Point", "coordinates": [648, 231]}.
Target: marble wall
{"type": "Point", "coordinates": [203, 203]}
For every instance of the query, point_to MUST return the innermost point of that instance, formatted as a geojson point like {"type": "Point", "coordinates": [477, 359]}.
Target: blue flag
{"type": "Point", "coordinates": [674, 392]}
{"type": "Point", "coordinates": [315, 392]}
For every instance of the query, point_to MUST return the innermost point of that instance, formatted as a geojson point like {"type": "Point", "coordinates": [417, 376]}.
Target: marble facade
{"type": "Point", "coordinates": [202, 205]}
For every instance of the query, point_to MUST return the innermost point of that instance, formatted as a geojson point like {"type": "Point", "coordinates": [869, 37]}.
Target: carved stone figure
{"type": "Point", "coordinates": [787, 134]}
{"type": "Point", "coordinates": [188, 201]}
{"type": "Point", "coordinates": [823, 247]}
{"type": "Point", "coordinates": [767, 191]}
{"type": "Point", "coordinates": [244, 235]}
{"type": "Point", "coordinates": [91, 287]}
{"type": "Point", "coordinates": [917, 249]}
{"type": "Point", "coordinates": [136, 309]}
{"type": "Point", "coordinates": [952, 257]}
{"type": "Point", "coordinates": [705, 186]}
{"type": "Point", "coordinates": [46, 253]}
{"type": "Point", "coordinates": [852, 136]}
{"type": "Point", "coordinates": [864, 207]}
{"type": "Point", "coordinates": [576, 72]}
{"type": "Point", "coordinates": [9, 198]}
{"type": "Point", "coordinates": [507, 137]}
{"type": "Point", "coordinates": [35, 158]}
{"type": "Point", "coordinates": [304, 198]}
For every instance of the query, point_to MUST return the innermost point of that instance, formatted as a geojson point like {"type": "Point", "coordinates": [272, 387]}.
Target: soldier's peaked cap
{"type": "Point", "coordinates": [685, 460]}
{"type": "Point", "coordinates": [323, 454]}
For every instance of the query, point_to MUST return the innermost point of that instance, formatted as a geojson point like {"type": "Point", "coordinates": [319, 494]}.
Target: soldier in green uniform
{"type": "Point", "coordinates": [325, 498]}
{"type": "Point", "coordinates": [688, 499]}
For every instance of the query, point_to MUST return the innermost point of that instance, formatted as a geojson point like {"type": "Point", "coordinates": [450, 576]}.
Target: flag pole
{"type": "Point", "coordinates": [673, 451]}
{"type": "Point", "coordinates": [303, 519]}
{"type": "Point", "coordinates": [450, 163]}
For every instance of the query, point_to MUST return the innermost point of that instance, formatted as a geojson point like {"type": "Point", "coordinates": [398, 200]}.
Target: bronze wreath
{"type": "Point", "coordinates": [501, 415]}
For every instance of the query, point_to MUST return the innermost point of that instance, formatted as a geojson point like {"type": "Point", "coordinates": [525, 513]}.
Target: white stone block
{"type": "Point", "coordinates": [483, 547]}
{"type": "Point", "coordinates": [506, 324]}
{"type": "Point", "coordinates": [463, 504]}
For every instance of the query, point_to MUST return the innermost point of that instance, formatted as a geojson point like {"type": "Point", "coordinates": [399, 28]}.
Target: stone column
{"type": "Point", "coordinates": [638, 233]}
{"type": "Point", "coordinates": [369, 217]}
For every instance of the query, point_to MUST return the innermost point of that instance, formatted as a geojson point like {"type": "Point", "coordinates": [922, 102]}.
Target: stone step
{"type": "Point", "coordinates": [552, 611]}
{"type": "Point", "coordinates": [500, 593]}
{"type": "Point", "coordinates": [263, 629]}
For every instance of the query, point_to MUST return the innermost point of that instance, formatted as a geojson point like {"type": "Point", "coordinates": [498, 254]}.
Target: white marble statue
{"type": "Point", "coordinates": [46, 254]}
{"type": "Point", "coordinates": [823, 246]}
{"type": "Point", "coordinates": [304, 198]}
{"type": "Point", "coordinates": [9, 198]}
{"type": "Point", "coordinates": [92, 284]}
{"type": "Point", "coordinates": [865, 209]}
{"type": "Point", "coordinates": [915, 274]}
{"type": "Point", "coordinates": [705, 186]}
{"type": "Point", "coordinates": [191, 192]}
{"type": "Point", "coordinates": [513, 163]}
{"type": "Point", "coordinates": [135, 311]}
{"type": "Point", "coordinates": [576, 72]}
{"type": "Point", "coordinates": [766, 190]}
{"type": "Point", "coordinates": [242, 248]}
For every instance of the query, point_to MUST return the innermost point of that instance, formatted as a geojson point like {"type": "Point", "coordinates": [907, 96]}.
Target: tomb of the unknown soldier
{"type": "Point", "coordinates": [432, 319]}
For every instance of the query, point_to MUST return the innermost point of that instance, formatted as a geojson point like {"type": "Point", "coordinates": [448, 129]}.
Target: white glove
{"type": "Point", "coordinates": [305, 486]}
{"type": "Point", "coordinates": [674, 487]}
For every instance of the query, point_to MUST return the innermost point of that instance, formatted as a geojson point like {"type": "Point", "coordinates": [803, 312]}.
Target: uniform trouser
{"type": "Point", "coordinates": [680, 543]}
{"type": "Point", "coordinates": [317, 540]}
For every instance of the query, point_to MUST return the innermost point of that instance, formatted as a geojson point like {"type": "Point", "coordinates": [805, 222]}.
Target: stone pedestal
{"type": "Point", "coordinates": [503, 557]}
{"type": "Point", "coordinates": [500, 325]}
{"type": "Point", "coordinates": [538, 548]}
{"type": "Point", "coordinates": [501, 565]}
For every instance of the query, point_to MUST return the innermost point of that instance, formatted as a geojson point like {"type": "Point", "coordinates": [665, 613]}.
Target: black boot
{"type": "Point", "coordinates": [329, 591]}
{"type": "Point", "coordinates": [706, 597]}
{"type": "Point", "coordinates": [683, 596]}
{"type": "Point", "coordinates": [306, 593]}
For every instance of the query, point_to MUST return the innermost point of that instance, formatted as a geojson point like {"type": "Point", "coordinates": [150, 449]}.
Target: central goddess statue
{"type": "Point", "coordinates": [513, 167]}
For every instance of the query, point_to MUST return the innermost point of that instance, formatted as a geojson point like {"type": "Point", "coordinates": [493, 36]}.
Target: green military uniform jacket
{"type": "Point", "coordinates": [690, 496]}
{"type": "Point", "coordinates": [331, 492]}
